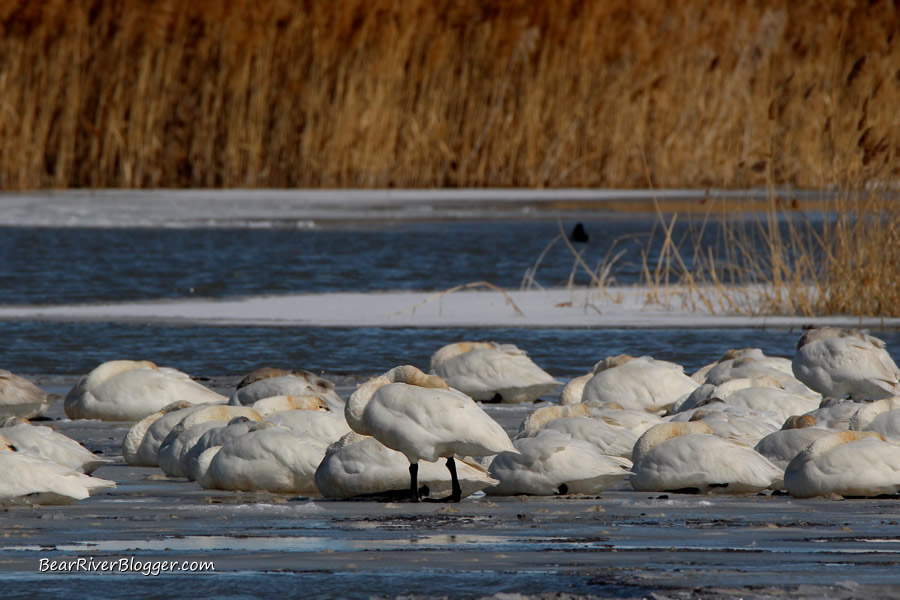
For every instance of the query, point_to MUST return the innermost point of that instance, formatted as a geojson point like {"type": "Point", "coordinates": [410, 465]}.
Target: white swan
{"type": "Point", "coordinates": [553, 462]}
{"type": "Point", "coordinates": [183, 435]}
{"type": "Point", "coordinates": [732, 423]}
{"type": "Point", "coordinates": [845, 463]}
{"type": "Point", "coordinates": [274, 404]}
{"type": "Point", "coordinates": [131, 444]}
{"type": "Point", "coordinates": [359, 465]}
{"type": "Point", "coordinates": [882, 416]}
{"type": "Point", "coordinates": [752, 363]}
{"type": "Point", "coordinates": [295, 383]}
{"type": "Point", "coordinates": [609, 440]}
{"type": "Point", "coordinates": [642, 383]}
{"type": "Point", "coordinates": [539, 417]}
{"type": "Point", "coordinates": [689, 457]}
{"type": "Point", "coordinates": [321, 427]}
{"type": "Point", "coordinates": [844, 363]}
{"type": "Point", "coordinates": [128, 390]}
{"type": "Point", "coordinates": [834, 414]}
{"type": "Point", "coordinates": [216, 436]}
{"type": "Point", "coordinates": [573, 391]}
{"type": "Point", "coordinates": [21, 398]}
{"type": "Point", "coordinates": [727, 359]}
{"type": "Point", "coordinates": [159, 429]}
{"type": "Point", "coordinates": [783, 445]}
{"type": "Point", "coordinates": [52, 445]}
{"type": "Point", "coordinates": [28, 479]}
{"type": "Point", "coordinates": [746, 393]}
{"type": "Point", "coordinates": [420, 416]}
{"type": "Point", "coordinates": [635, 421]}
{"type": "Point", "coordinates": [269, 458]}
{"type": "Point", "coordinates": [488, 371]}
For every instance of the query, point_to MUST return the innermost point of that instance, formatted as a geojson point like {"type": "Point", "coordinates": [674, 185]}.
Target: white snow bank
{"type": "Point", "coordinates": [620, 308]}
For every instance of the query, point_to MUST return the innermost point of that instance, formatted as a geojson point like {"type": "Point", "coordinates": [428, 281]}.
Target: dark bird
{"type": "Point", "coordinates": [579, 234]}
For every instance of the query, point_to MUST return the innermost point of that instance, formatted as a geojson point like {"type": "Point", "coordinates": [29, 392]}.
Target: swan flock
{"type": "Point", "coordinates": [824, 422]}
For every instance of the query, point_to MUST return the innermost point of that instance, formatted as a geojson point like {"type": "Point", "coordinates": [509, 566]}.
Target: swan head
{"type": "Point", "coordinates": [536, 419]}
{"type": "Point", "coordinates": [574, 390]}
{"type": "Point", "coordinates": [411, 375]}
{"type": "Point", "coordinates": [6, 445]}
{"type": "Point", "coordinates": [611, 362]}
{"type": "Point", "coordinates": [799, 422]}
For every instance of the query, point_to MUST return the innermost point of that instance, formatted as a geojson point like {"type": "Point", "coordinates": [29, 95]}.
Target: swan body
{"type": "Point", "coordinates": [29, 479]}
{"type": "Point", "coordinates": [270, 458]}
{"type": "Point", "coordinates": [316, 426]}
{"type": "Point", "coordinates": [421, 417]}
{"type": "Point", "coordinates": [54, 446]}
{"type": "Point", "coordinates": [134, 438]}
{"type": "Point", "coordinates": [845, 463]}
{"type": "Point", "coordinates": [725, 363]}
{"type": "Point", "coordinates": [843, 363]}
{"type": "Point", "coordinates": [273, 404]}
{"type": "Point", "coordinates": [303, 384]}
{"type": "Point", "coordinates": [835, 415]}
{"type": "Point", "coordinates": [635, 421]}
{"type": "Point", "coordinates": [642, 383]}
{"type": "Point", "coordinates": [882, 416]}
{"type": "Point", "coordinates": [21, 398]}
{"type": "Point", "coordinates": [553, 462]}
{"type": "Point", "coordinates": [783, 445]}
{"type": "Point", "coordinates": [608, 440]}
{"type": "Point", "coordinates": [738, 425]}
{"type": "Point", "coordinates": [214, 437]}
{"type": "Point", "coordinates": [744, 393]}
{"type": "Point", "coordinates": [127, 390]}
{"type": "Point", "coordinates": [688, 456]}
{"type": "Point", "coordinates": [362, 466]}
{"type": "Point", "coordinates": [487, 370]}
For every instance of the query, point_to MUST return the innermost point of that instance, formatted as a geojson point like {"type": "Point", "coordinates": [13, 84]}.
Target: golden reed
{"type": "Point", "coordinates": [421, 93]}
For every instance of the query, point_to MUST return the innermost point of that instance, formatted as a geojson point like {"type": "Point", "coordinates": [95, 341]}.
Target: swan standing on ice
{"type": "Point", "coordinates": [642, 383]}
{"type": "Point", "coordinates": [493, 372]}
{"type": "Point", "coordinates": [420, 416]}
{"type": "Point", "coordinates": [21, 398]}
{"type": "Point", "coordinates": [129, 390]}
{"type": "Point", "coordinates": [841, 363]}
{"type": "Point", "coordinates": [359, 465]}
{"type": "Point", "coordinates": [673, 457]}
{"type": "Point", "coordinates": [845, 463]}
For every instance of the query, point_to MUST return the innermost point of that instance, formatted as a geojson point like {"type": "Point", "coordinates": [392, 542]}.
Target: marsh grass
{"type": "Point", "coordinates": [842, 257]}
{"type": "Point", "coordinates": [461, 93]}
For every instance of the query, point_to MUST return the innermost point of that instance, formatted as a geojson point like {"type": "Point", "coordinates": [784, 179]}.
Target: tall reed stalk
{"type": "Point", "coordinates": [381, 93]}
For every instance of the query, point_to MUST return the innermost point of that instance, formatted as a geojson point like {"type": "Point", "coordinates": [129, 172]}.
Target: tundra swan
{"type": "Point", "coordinates": [420, 416]}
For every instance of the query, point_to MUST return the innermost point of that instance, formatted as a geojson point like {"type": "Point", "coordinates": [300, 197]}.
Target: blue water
{"type": "Point", "coordinates": [51, 266]}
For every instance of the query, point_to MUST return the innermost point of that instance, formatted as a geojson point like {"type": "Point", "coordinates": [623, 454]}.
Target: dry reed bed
{"type": "Point", "coordinates": [376, 93]}
{"type": "Point", "coordinates": [843, 258]}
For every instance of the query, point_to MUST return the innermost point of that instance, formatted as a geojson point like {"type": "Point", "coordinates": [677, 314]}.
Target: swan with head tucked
{"type": "Point", "coordinates": [21, 398]}
{"type": "Point", "coordinates": [676, 457]}
{"type": "Point", "coordinates": [553, 462]}
{"type": "Point", "coordinates": [29, 479]}
{"type": "Point", "coordinates": [843, 363]}
{"type": "Point", "coordinates": [758, 394]}
{"type": "Point", "coordinates": [760, 358]}
{"type": "Point", "coordinates": [882, 416]}
{"type": "Point", "coordinates": [641, 383]}
{"type": "Point", "coordinates": [488, 371]}
{"type": "Point", "coordinates": [359, 465]}
{"type": "Point", "coordinates": [422, 417]}
{"type": "Point", "coordinates": [46, 443]}
{"type": "Point", "coordinates": [129, 390]}
{"type": "Point", "coordinates": [798, 432]}
{"type": "Point", "coordinates": [267, 458]}
{"type": "Point", "coordinates": [845, 463]}
{"type": "Point", "coordinates": [268, 382]}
